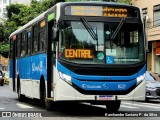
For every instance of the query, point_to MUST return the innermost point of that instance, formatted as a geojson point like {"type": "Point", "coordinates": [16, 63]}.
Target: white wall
{"type": "Point", "coordinates": [3, 4]}
{"type": "Point", "coordinates": [26, 2]}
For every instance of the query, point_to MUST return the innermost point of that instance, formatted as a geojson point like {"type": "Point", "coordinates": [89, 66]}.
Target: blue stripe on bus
{"type": "Point", "coordinates": [31, 67]}
{"type": "Point", "coordinates": [86, 82]}
{"type": "Point", "coordinates": [63, 69]}
{"type": "Point", "coordinates": [111, 86]}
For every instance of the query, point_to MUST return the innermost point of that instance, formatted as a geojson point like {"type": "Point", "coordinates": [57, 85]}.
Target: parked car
{"type": "Point", "coordinates": [6, 77]}
{"type": "Point", "coordinates": [1, 79]}
{"type": "Point", "coordinates": [152, 87]}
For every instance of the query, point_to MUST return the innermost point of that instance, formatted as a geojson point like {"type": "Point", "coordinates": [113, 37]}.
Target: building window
{"type": "Point", "coordinates": [4, 1]}
{"type": "Point", "coordinates": [4, 10]}
{"type": "Point", "coordinates": [156, 15]}
{"type": "Point", "coordinates": [144, 12]}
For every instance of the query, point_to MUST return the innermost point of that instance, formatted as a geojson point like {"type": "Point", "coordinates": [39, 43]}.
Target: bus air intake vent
{"type": "Point", "coordinates": [105, 72]}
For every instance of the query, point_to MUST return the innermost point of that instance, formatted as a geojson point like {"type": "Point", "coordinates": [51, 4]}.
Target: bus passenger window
{"type": "Point", "coordinates": [18, 46]}
{"type": "Point", "coordinates": [28, 42]}
{"type": "Point", "coordinates": [41, 44]}
{"type": "Point", "coordinates": [11, 49]}
{"type": "Point", "coordinates": [23, 44]}
{"type": "Point", "coordinates": [41, 36]}
{"type": "Point", "coordinates": [34, 41]}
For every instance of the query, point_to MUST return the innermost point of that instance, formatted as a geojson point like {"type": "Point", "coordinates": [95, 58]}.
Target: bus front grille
{"type": "Point", "coordinates": [105, 72]}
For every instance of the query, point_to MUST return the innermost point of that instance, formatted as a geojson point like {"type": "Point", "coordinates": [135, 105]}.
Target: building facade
{"type": "Point", "coordinates": [26, 2]}
{"type": "Point", "coordinates": [3, 4]}
{"type": "Point", "coordinates": [151, 9]}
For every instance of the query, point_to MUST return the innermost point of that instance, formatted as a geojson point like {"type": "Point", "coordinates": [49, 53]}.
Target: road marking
{"type": "Point", "coordinates": [23, 106]}
{"type": "Point", "coordinates": [140, 105]}
{"type": "Point", "coordinates": [128, 106]}
{"type": "Point", "coordinates": [151, 104]}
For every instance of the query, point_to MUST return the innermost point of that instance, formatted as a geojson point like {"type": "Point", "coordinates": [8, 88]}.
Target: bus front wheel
{"type": "Point", "coordinates": [49, 104]}
{"type": "Point", "coordinates": [21, 97]}
{"type": "Point", "coordinates": [42, 90]}
{"type": "Point", "coordinates": [113, 106]}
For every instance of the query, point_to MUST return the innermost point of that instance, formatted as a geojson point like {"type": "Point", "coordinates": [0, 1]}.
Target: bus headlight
{"type": "Point", "coordinates": [65, 77]}
{"type": "Point", "coordinates": [140, 78]}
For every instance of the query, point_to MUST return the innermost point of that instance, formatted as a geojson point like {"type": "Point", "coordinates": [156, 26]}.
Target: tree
{"type": "Point", "coordinates": [119, 1]}
{"type": "Point", "coordinates": [18, 15]}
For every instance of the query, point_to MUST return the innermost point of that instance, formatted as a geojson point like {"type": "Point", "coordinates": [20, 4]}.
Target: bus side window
{"type": "Point", "coordinates": [41, 36]}
{"type": "Point", "coordinates": [41, 44]}
{"type": "Point", "coordinates": [23, 44]}
{"type": "Point", "coordinates": [34, 40]}
{"type": "Point", "coordinates": [11, 49]}
{"type": "Point", "coordinates": [18, 45]}
{"type": "Point", "coordinates": [28, 42]}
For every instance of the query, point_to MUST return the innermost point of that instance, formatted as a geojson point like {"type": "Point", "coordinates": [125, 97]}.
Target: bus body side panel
{"type": "Point", "coordinates": [62, 90]}
{"type": "Point", "coordinates": [30, 70]}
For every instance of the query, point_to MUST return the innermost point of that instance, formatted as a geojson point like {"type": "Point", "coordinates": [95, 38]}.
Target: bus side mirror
{"type": "Point", "coordinates": [55, 30]}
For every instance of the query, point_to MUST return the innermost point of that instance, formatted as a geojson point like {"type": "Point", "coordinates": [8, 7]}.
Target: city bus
{"type": "Point", "coordinates": [92, 52]}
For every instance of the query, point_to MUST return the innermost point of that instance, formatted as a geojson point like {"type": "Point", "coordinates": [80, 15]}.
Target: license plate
{"type": "Point", "coordinates": [105, 97]}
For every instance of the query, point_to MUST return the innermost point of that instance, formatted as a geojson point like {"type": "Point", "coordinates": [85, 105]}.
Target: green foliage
{"type": "Point", "coordinates": [4, 47]}
{"type": "Point", "coordinates": [13, 9]}
{"type": "Point", "coordinates": [18, 15]}
{"type": "Point", "coordinates": [125, 1]}
{"type": "Point", "coordinates": [119, 1]}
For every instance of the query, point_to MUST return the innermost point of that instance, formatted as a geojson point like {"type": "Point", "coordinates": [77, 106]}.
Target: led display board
{"type": "Point", "coordinates": [105, 11]}
{"type": "Point", "coordinates": [78, 53]}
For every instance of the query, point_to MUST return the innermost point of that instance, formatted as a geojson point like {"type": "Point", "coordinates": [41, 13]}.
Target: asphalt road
{"type": "Point", "coordinates": [9, 105]}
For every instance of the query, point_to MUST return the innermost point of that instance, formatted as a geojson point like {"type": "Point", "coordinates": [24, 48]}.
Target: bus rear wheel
{"type": "Point", "coordinates": [113, 106]}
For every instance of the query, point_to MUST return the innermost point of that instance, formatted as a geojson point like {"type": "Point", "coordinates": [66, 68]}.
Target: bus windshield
{"type": "Point", "coordinates": [76, 43]}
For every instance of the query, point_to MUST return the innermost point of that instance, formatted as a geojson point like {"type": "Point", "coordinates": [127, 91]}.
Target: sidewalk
{"type": "Point", "coordinates": [155, 75]}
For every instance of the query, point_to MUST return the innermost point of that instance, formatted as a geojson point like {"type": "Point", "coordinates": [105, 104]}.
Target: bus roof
{"type": "Point", "coordinates": [42, 15]}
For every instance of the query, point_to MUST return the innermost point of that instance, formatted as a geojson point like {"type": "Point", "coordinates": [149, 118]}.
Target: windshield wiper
{"type": "Point", "coordinates": [117, 29]}
{"type": "Point", "coordinates": [89, 29]}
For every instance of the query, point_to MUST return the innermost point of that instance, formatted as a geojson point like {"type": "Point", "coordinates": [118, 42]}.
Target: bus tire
{"type": "Point", "coordinates": [42, 91]}
{"type": "Point", "coordinates": [113, 106]}
{"type": "Point", "coordinates": [147, 99]}
{"type": "Point", "coordinates": [49, 105]}
{"type": "Point", "coordinates": [21, 97]}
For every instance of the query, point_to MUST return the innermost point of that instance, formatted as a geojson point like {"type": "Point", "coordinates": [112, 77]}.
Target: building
{"type": "Point", "coordinates": [3, 63]}
{"type": "Point", "coordinates": [26, 2]}
{"type": "Point", "coordinates": [151, 9]}
{"type": "Point", "coordinates": [3, 4]}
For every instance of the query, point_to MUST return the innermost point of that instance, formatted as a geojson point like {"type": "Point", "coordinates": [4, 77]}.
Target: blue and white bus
{"type": "Point", "coordinates": [90, 52]}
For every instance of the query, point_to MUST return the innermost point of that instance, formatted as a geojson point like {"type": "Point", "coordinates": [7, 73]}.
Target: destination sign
{"type": "Point", "coordinates": [78, 53]}
{"type": "Point", "coordinates": [105, 11]}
